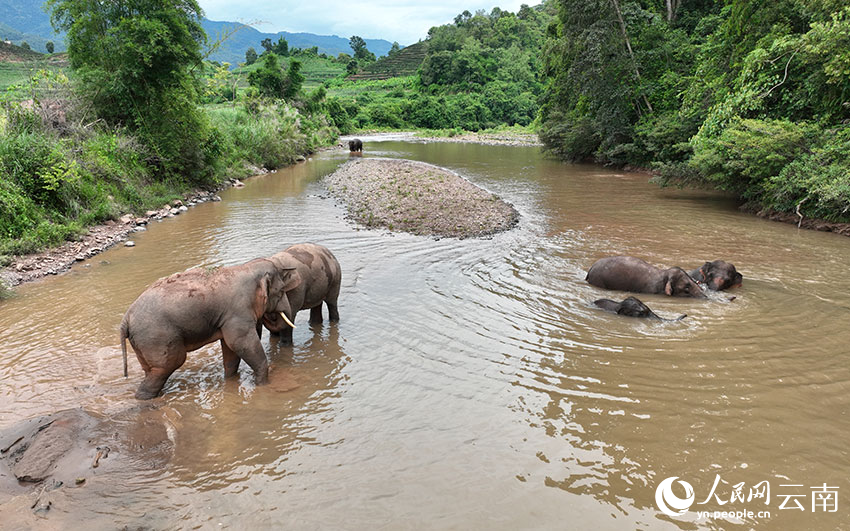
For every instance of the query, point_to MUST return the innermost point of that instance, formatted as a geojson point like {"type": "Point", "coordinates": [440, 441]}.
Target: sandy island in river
{"type": "Point", "coordinates": [419, 198]}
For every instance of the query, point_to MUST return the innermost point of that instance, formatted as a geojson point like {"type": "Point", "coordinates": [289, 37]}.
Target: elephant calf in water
{"type": "Point", "coordinates": [188, 310]}
{"type": "Point", "coordinates": [627, 273]}
{"type": "Point", "coordinates": [632, 307]}
{"type": "Point", "coordinates": [717, 275]}
{"type": "Point", "coordinates": [320, 276]}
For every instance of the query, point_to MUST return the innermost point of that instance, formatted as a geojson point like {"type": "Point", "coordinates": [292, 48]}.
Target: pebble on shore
{"type": "Point", "coordinates": [418, 198]}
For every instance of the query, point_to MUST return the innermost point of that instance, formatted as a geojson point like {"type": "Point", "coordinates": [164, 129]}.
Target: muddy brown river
{"type": "Point", "coordinates": [470, 384]}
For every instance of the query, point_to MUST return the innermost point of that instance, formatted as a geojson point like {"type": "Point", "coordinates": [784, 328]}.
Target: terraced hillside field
{"type": "Point", "coordinates": [404, 63]}
{"type": "Point", "coordinates": [315, 70]}
{"type": "Point", "coordinates": [18, 64]}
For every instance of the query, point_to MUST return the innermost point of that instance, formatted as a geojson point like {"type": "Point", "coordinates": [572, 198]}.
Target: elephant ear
{"type": "Point", "coordinates": [291, 279]}
{"type": "Point", "coordinates": [702, 271]}
{"type": "Point", "coordinates": [261, 295]}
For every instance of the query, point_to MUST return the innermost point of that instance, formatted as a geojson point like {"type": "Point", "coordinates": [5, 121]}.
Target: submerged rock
{"type": "Point", "coordinates": [40, 446]}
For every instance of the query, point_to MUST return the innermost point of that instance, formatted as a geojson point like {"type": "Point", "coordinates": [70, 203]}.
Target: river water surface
{"type": "Point", "coordinates": [470, 383]}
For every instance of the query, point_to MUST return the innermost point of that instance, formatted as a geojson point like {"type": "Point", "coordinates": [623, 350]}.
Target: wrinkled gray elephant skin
{"type": "Point", "coordinates": [320, 275]}
{"type": "Point", "coordinates": [627, 273]}
{"type": "Point", "coordinates": [185, 311]}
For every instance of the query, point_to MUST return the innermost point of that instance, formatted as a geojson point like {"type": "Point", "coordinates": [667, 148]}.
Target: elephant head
{"type": "Point", "coordinates": [279, 307]}
{"type": "Point", "coordinates": [271, 293]}
{"type": "Point", "coordinates": [719, 275]}
{"type": "Point", "coordinates": [678, 283]}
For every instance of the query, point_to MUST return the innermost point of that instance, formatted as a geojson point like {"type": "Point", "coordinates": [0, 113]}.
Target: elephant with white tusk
{"type": "Point", "coordinates": [319, 277]}
{"type": "Point", "coordinates": [185, 311]}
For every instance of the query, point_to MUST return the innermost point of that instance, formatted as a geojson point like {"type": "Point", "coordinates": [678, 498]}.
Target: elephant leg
{"type": "Point", "coordinates": [247, 347]}
{"type": "Point", "coordinates": [155, 377]}
{"type": "Point", "coordinates": [331, 300]}
{"type": "Point", "coordinates": [316, 314]}
{"type": "Point", "coordinates": [231, 360]}
{"type": "Point", "coordinates": [333, 313]}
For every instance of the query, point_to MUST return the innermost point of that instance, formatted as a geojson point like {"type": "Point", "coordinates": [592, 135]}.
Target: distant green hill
{"type": "Point", "coordinates": [26, 20]}
{"type": "Point", "coordinates": [26, 16]}
{"type": "Point", "coordinates": [233, 50]}
{"type": "Point", "coordinates": [15, 54]}
{"type": "Point", "coordinates": [403, 63]}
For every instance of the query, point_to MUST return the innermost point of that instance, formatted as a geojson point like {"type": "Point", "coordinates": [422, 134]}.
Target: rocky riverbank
{"type": "Point", "coordinates": [504, 138]}
{"type": "Point", "coordinates": [96, 240]}
{"type": "Point", "coordinates": [418, 198]}
{"type": "Point", "coordinates": [490, 139]}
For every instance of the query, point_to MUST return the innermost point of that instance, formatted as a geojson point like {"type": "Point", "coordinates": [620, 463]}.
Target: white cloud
{"type": "Point", "coordinates": [404, 21]}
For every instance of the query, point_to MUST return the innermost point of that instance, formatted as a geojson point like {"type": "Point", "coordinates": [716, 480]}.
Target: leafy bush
{"type": "Point", "coordinates": [748, 153]}
{"type": "Point", "coordinates": [818, 180]}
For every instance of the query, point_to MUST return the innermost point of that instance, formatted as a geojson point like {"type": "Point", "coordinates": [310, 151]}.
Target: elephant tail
{"type": "Point", "coordinates": [125, 332]}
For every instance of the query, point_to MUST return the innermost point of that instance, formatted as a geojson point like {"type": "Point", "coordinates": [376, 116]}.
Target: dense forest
{"type": "Point", "coordinates": [748, 96]}
{"type": "Point", "coordinates": [481, 71]}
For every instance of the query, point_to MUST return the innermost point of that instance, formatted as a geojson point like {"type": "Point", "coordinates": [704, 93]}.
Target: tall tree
{"type": "Point", "coordinates": [135, 61]}
{"type": "Point", "coordinates": [250, 56]}
{"type": "Point", "coordinates": [361, 53]}
{"type": "Point", "coordinates": [281, 47]}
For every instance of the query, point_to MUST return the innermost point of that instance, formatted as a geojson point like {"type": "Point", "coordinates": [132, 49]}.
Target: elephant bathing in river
{"type": "Point", "coordinates": [631, 307]}
{"type": "Point", "coordinates": [320, 277]}
{"type": "Point", "coordinates": [188, 310]}
{"type": "Point", "coordinates": [627, 273]}
{"type": "Point", "coordinates": [717, 275]}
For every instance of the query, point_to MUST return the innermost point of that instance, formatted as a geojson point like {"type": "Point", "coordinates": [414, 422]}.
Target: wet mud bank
{"type": "Point", "coordinates": [418, 198]}
{"type": "Point", "coordinates": [820, 225]}
{"type": "Point", "coordinates": [43, 459]}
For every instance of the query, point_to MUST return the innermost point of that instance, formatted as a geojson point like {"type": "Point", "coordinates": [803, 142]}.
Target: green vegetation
{"type": "Point", "coordinates": [126, 132]}
{"type": "Point", "coordinates": [401, 63]}
{"type": "Point", "coordinates": [479, 72]}
{"type": "Point", "coordinates": [316, 69]}
{"type": "Point", "coordinates": [749, 97]}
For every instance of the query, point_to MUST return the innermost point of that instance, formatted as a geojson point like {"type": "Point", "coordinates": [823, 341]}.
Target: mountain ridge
{"type": "Point", "coordinates": [26, 20]}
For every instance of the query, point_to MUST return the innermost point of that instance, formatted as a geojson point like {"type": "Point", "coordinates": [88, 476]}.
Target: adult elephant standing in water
{"type": "Point", "coordinates": [188, 310]}
{"type": "Point", "coordinates": [627, 273]}
{"type": "Point", "coordinates": [320, 276]}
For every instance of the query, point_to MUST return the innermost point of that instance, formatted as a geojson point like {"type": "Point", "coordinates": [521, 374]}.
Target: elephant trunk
{"type": "Point", "coordinates": [285, 310]}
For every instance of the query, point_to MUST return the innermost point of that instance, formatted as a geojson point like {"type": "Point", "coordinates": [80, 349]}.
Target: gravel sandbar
{"type": "Point", "coordinates": [418, 198]}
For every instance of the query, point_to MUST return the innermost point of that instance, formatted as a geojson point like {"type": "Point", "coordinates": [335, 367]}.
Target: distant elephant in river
{"type": "Point", "coordinates": [627, 273]}
{"type": "Point", "coordinates": [320, 276]}
{"type": "Point", "coordinates": [185, 311]}
{"type": "Point", "coordinates": [355, 145]}
{"type": "Point", "coordinates": [717, 275]}
{"type": "Point", "coordinates": [631, 307]}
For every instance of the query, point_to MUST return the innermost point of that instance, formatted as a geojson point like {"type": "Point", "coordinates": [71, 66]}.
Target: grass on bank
{"type": "Point", "coordinates": [60, 180]}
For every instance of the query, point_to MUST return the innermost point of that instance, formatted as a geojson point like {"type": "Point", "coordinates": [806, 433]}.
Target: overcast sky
{"type": "Point", "coordinates": [405, 21]}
